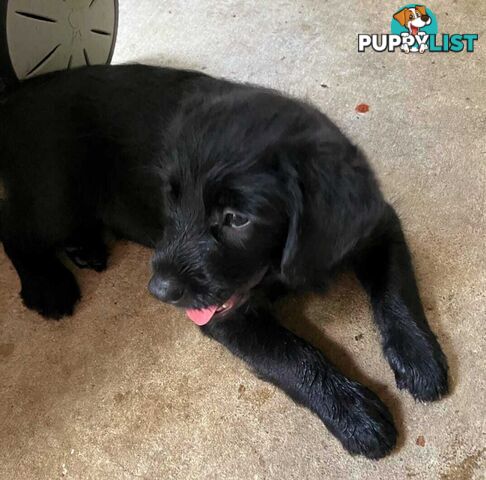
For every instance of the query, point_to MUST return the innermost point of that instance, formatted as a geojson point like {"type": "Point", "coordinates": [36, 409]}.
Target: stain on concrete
{"type": "Point", "coordinates": [420, 441]}
{"type": "Point", "coordinates": [465, 469]}
{"type": "Point", "coordinates": [241, 390]}
{"type": "Point", "coordinates": [121, 397]}
{"type": "Point", "coordinates": [6, 349]}
{"type": "Point", "coordinates": [257, 397]}
{"type": "Point", "coordinates": [410, 473]}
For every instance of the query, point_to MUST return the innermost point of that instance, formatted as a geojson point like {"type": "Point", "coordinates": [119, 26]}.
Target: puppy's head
{"type": "Point", "coordinates": [249, 192]}
{"type": "Point", "coordinates": [413, 18]}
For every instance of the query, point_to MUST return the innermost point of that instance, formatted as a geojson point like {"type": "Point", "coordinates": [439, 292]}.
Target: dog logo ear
{"type": "Point", "coordinates": [401, 16]}
{"type": "Point", "coordinates": [421, 9]}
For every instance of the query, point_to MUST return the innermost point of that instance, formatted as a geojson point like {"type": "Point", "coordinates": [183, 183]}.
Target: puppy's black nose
{"type": "Point", "coordinates": [425, 18]}
{"type": "Point", "coordinates": [167, 289]}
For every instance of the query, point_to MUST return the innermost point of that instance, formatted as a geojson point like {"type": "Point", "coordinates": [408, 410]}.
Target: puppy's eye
{"type": "Point", "coordinates": [234, 219]}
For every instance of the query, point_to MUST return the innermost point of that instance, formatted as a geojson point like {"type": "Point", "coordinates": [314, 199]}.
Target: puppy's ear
{"type": "Point", "coordinates": [401, 16]}
{"type": "Point", "coordinates": [333, 202]}
{"type": "Point", "coordinates": [421, 9]}
{"type": "Point", "coordinates": [289, 268]}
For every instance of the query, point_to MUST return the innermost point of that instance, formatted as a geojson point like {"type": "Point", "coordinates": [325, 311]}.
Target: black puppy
{"type": "Point", "coordinates": [240, 190]}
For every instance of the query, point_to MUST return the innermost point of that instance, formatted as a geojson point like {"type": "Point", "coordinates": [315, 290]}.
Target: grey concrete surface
{"type": "Point", "coordinates": [128, 388]}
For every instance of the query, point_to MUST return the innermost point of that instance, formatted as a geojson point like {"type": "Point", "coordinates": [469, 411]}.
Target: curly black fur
{"type": "Point", "coordinates": [160, 156]}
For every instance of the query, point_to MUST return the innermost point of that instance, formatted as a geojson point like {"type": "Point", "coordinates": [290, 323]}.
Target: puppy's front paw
{"type": "Point", "coordinates": [53, 295]}
{"type": "Point", "coordinates": [362, 423]}
{"type": "Point", "coordinates": [419, 366]}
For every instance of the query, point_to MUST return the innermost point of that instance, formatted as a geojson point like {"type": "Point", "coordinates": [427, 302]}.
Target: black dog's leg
{"type": "Point", "coordinates": [385, 270]}
{"type": "Point", "coordinates": [47, 286]}
{"type": "Point", "coordinates": [354, 414]}
{"type": "Point", "coordinates": [86, 249]}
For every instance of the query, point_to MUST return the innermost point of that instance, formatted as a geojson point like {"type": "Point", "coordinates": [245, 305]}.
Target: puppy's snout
{"type": "Point", "coordinates": [425, 18]}
{"type": "Point", "coordinates": [168, 289]}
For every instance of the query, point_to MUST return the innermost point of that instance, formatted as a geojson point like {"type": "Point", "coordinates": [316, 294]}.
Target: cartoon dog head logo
{"type": "Point", "coordinates": [415, 23]}
{"type": "Point", "coordinates": [413, 18]}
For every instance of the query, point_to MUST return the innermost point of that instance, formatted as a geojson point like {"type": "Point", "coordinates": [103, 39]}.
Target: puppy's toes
{"type": "Point", "coordinates": [363, 424]}
{"type": "Point", "coordinates": [421, 368]}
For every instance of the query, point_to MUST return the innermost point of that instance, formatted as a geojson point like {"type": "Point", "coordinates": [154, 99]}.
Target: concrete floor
{"type": "Point", "coordinates": [128, 388]}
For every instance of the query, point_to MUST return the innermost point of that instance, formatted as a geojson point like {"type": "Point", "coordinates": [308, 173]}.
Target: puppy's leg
{"type": "Point", "coordinates": [354, 414]}
{"type": "Point", "coordinates": [385, 270]}
{"type": "Point", "coordinates": [47, 286]}
{"type": "Point", "coordinates": [86, 249]}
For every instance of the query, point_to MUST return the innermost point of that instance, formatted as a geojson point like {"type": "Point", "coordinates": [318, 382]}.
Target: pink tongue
{"type": "Point", "coordinates": [201, 317]}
